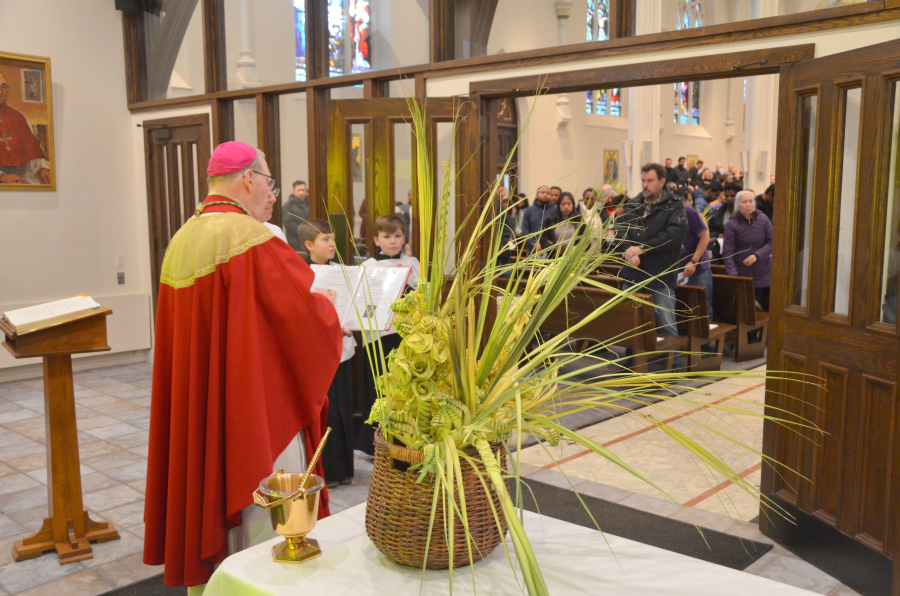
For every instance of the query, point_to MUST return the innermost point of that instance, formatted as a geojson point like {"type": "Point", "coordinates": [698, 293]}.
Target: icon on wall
{"type": "Point", "coordinates": [26, 124]}
{"type": "Point", "coordinates": [691, 161]}
{"type": "Point", "coordinates": [356, 151]}
{"type": "Point", "coordinates": [610, 166]}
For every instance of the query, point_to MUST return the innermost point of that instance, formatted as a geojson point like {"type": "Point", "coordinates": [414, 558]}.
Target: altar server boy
{"type": "Point", "coordinates": [390, 237]}
{"type": "Point", "coordinates": [317, 238]}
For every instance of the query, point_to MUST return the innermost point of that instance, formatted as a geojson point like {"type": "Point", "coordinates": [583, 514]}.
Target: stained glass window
{"type": "Point", "coordinates": [300, 39]}
{"type": "Point", "coordinates": [597, 30]}
{"type": "Point", "coordinates": [687, 94]}
{"type": "Point", "coordinates": [360, 33]}
{"type": "Point", "coordinates": [615, 102]}
{"type": "Point", "coordinates": [335, 37]}
{"type": "Point", "coordinates": [695, 102]}
{"type": "Point", "coordinates": [597, 20]}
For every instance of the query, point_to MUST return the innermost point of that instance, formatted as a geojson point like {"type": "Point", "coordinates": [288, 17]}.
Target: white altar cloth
{"type": "Point", "coordinates": [574, 561]}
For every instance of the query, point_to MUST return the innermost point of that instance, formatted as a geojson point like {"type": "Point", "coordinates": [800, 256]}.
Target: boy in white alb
{"type": "Point", "coordinates": [390, 236]}
{"type": "Point", "coordinates": [317, 238]}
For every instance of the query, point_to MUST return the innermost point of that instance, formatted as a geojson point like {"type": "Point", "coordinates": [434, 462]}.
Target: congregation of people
{"type": "Point", "coordinates": [685, 220]}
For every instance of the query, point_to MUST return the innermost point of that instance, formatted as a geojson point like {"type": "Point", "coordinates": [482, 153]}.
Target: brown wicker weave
{"type": "Point", "coordinates": [398, 511]}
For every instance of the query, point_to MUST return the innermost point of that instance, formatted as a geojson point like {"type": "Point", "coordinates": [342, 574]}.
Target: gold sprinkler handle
{"type": "Point", "coordinates": [261, 500]}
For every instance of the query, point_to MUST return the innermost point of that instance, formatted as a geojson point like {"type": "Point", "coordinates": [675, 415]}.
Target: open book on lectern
{"type": "Point", "coordinates": [369, 291]}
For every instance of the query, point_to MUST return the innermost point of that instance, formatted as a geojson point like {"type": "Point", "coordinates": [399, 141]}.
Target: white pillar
{"type": "Point", "coordinates": [563, 12]}
{"type": "Point", "coordinates": [761, 114]}
{"type": "Point", "coordinates": [563, 111]}
{"type": "Point", "coordinates": [643, 105]}
{"type": "Point", "coordinates": [246, 65]}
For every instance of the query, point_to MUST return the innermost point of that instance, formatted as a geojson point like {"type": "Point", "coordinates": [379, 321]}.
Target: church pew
{"type": "Point", "coordinates": [734, 302]}
{"type": "Point", "coordinates": [693, 316]}
{"type": "Point", "coordinates": [628, 324]}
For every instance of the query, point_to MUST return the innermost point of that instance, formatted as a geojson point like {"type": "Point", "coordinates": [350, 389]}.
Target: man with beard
{"type": "Point", "coordinates": [296, 211]}
{"type": "Point", "coordinates": [652, 231]}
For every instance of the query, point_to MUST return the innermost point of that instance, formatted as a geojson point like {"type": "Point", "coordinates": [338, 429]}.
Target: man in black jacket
{"type": "Point", "coordinates": [680, 173]}
{"type": "Point", "coordinates": [296, 211]}
{"type": "Point", "coordinates": [652, 230]}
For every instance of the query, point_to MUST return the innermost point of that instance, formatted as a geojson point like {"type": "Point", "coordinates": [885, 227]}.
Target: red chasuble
{"type": "Point", "coordinates": [17, 145]}
{"type": "Point", "coordinates": [243, 357]}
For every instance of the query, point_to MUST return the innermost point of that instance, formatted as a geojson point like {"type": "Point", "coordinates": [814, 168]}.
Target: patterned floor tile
{"type": "Point", "coordinates": [127, 570]}
{"type": "Point", "coordinates": [138, 439]}
{"type": "Point", "coordinates": [84, 583]}
{"type": "Point", "coordinates": [130, 473]}
{"type": "Point", "coordinates": [114, 430]}
{"type": "Point", "coordinates": [116, 459]}
{"type": "Point", "coordinates": [34, 572]}
{"type": "Point", "coordinates": [109, 498]}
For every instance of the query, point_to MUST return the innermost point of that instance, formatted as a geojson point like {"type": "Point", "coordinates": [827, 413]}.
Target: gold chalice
{"type": "Point", "coordinates": [293, 508]}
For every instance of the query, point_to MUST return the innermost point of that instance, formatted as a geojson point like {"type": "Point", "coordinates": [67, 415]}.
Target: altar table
{"type": "Point", "coordinates": [574, 560]}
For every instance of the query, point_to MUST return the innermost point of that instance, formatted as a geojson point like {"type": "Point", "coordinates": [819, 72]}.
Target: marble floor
{"type": "Point", "coordinates": [112, 408]}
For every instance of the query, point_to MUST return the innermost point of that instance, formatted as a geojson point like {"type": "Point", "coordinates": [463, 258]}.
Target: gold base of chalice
{"type": "Point", "coordinates": [296, 549]}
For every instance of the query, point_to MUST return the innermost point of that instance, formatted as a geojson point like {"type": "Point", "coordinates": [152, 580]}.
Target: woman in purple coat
{"type": "Point", "coordinates": [748, 246]}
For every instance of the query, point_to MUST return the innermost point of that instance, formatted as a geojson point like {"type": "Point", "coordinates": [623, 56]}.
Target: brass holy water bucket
{"type": "Point", "coordinates": [293, 510]}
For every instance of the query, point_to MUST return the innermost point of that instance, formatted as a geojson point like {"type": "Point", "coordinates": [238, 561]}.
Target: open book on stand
{"type": "Point", "coordinates": [42, 316]}
{"type": "Point", "coordinates": [366, 291]}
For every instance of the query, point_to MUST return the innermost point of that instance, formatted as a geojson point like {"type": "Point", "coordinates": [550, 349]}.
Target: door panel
{"type": "Point", "coordinates": [177, 153]}
{"type": "Point", "coordinates": [364, 155]}
{"type": "Point", "coordinates": [837, 189]}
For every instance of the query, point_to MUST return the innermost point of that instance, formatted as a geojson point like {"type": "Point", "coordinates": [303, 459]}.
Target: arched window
{"type": "Point", "coordinates": [349, 39]}
{"type": "Point", "coordinates": [606, 102]}
{"type": "Point", "coordinates": [687, 94]}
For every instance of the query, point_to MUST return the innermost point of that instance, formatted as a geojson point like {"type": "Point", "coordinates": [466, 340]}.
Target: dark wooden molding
{"type": "Point", "coordinates": [135, 42]}
{"type": "Point", "coordinates": [222, 121]}
{"type": "Point", "coordinates": [316, 39]}
{"type": "Point", "coordinates": [421, 90]}
{"type": "Point", "coordinates": [268, 139]}
{"type": "Point", "coordinates": [317, 100]}
{"type": "Point", "coordinates": [442, 30]}
{"type": "Point", "coordinates": [831, 18]}
{"type": "Point", "coordinates": [755, 62]}
{"type": "Point", "coordinates": [621, 18]}
{"type": "Point", "coordinates": [373, 88]}
{"type": "Point", "coordinates": [214, 63]}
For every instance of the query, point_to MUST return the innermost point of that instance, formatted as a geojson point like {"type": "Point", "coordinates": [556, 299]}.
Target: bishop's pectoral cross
{"type": "Point", "coordinates": [5, 139]}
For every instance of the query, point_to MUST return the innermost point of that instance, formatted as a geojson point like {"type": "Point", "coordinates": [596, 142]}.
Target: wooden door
{"type": "Point", "coordinates": [364, 160]}
{"type": "Point", "coordinates": [834, 289]}
{"type": "Point", "coordinates": [504, 134]}
{"type": "Point", "coordinates": [176, 152]}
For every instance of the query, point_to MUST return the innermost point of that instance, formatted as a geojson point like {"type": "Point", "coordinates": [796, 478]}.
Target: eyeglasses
{"type": "Point", "coordinates": [272, 189]}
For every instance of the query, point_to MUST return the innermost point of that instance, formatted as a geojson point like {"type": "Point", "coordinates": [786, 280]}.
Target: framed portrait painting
{"type": "Point", "coordinates": [610, 166]}
{"type": "Point", "coordinates": [691, 161]}
{"type": "Point", "coordinates": [26, 124]}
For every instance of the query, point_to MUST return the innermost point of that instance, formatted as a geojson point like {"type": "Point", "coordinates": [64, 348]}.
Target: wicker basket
{"type": "Point", "coordinates": [398, 511]}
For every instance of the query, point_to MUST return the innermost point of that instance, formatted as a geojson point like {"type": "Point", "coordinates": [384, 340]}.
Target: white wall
{"type": "Point", "coordinates": [61, 243]}
{"type": "Point", "coordinates": [570, 157]}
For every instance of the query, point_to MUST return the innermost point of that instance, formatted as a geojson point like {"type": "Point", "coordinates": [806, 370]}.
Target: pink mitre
{"type": "Point", "coordinates": [229, 158]}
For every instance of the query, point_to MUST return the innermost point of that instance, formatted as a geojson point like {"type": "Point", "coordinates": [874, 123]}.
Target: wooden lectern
{"type": "Point", "coordinates": [68, 529]}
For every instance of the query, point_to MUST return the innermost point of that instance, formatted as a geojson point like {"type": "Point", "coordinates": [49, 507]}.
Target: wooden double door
{"type": "Point", "coordinates": [834, 331]}
{"type": "Point", "coordinates": [372, 168]}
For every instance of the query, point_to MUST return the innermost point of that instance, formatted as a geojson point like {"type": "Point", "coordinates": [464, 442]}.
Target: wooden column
{"type": "Point", "coordinates": [268, 138]}
{"type": "Point", "coordinates": [222, 121]}
{"type": "Point", "coordinates": [214, 64]}
{"type": "Point", "coordinates": [68, 529]}
{"type": "Point", "coordinates": [316, 39]}
{"type": "Point", "coordinates": [442, 30]}
{"type": "Point", "coordinates": [316, 131]}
